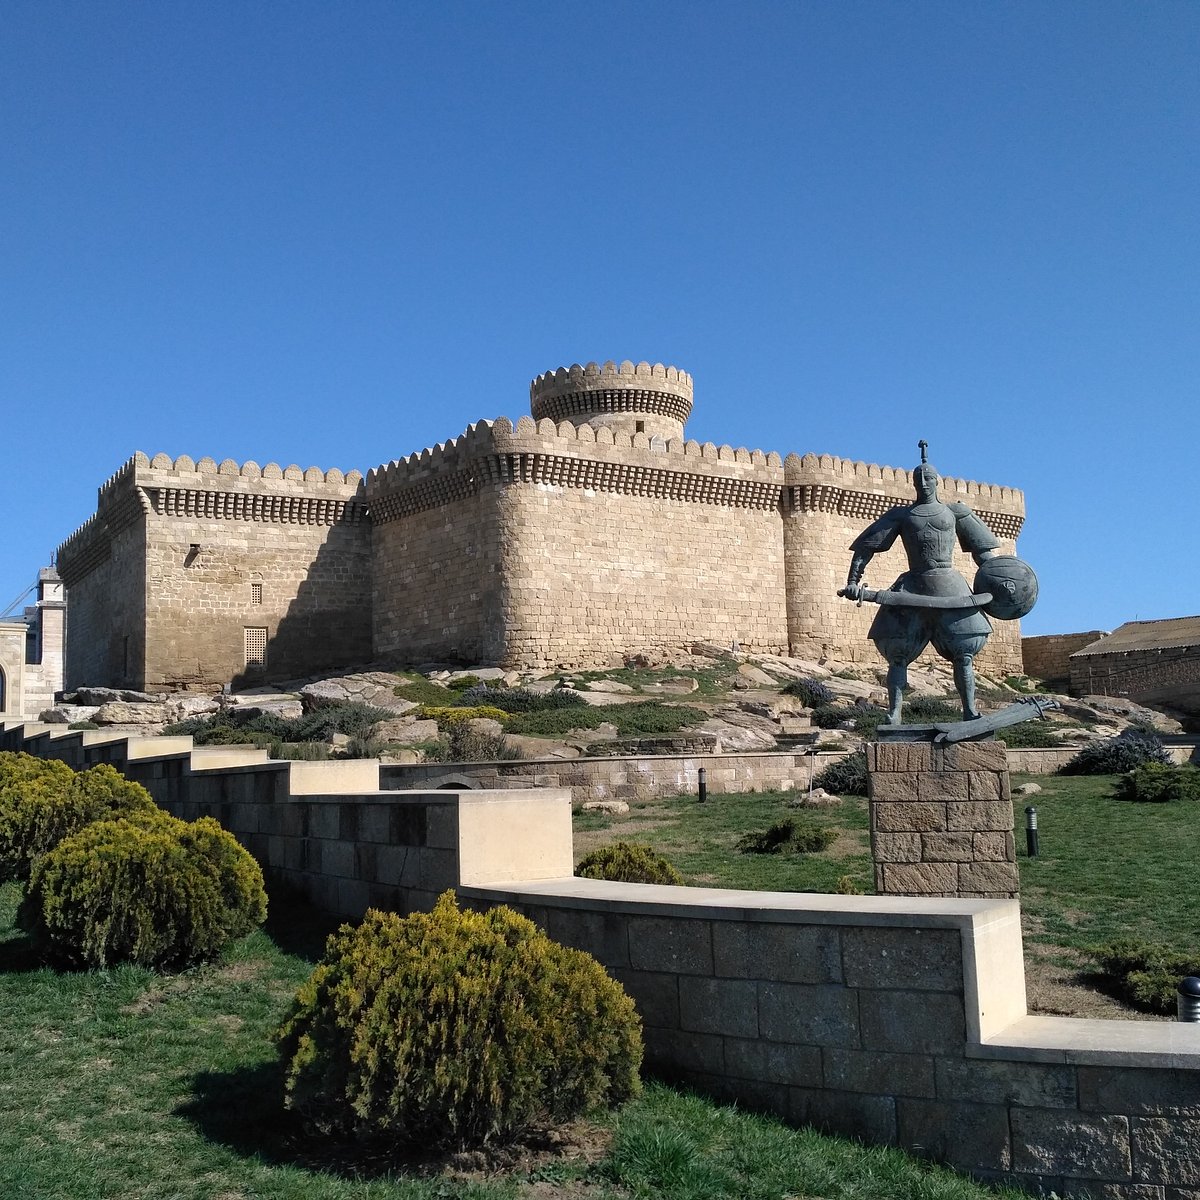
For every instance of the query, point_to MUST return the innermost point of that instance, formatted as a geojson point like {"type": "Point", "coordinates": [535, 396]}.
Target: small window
{"type": "Point", "coordinates": [639, 427]}
{"type": "Point", "coordinates": [256, 593]}
{"type": "Point", "coordinates": [256, 647]}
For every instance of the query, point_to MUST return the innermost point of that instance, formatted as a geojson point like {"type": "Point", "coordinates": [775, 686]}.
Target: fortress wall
{"type": "Point", "coordinates": [596, 575]}
{"type": "Point", "coordinates": [605, 543]}
{"type": "Point", "coordinates": [439, 587]}
{"type": "Point", "coordinates": [234, 546]}
{"type": "Point", "coordinates": [828, 503]}
{"type": "Point", "coordinates": [103, 567]}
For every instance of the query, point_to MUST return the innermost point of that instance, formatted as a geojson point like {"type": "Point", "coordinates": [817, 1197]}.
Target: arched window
{"type": "Point", "coordinates": [3, 691]}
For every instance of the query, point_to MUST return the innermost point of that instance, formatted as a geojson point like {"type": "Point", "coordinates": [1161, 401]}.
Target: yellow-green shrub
{"type": "Point", "coordinates": [150, 890]}
{"type": "Point", "coordinates": [456, 1027]}
{"type": "Point", "coordinates": [628, 862]}
{"type": "Point", "coordinates": [42, 804]}
{"type": "Point", "coordinates": [452, 716]}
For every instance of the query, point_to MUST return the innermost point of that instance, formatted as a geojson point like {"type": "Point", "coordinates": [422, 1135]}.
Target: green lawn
{"type": "Point", "coordinates": [1105, 867]}
{"type": "Point", "coordinates": [700, 840]}
{"type": "Point", "coordinates": [124, 1084]}
{"type": "Point", "coordinates": [127, 1084]}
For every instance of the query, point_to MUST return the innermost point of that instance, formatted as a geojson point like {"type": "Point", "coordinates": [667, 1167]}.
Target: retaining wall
{"type": "Point", "coordinates": [900, 1021]}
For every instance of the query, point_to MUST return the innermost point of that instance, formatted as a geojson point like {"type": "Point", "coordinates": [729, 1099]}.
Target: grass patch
{"type": "Point", "coordinates": [1107, 869]}
{"type": "Point", "coordinates": [420, 690]}
{"type": "Point", "coordinates": [631, 720]}
{"type": "Point", "coordinates": [702, 840]}
{"type": "Point", "coordinates": [126, 1084]}
{"type": "Point", "coordinates": [714, 680]}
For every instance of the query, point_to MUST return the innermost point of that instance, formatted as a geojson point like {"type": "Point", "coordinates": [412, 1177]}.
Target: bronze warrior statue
{"type": "Point", "coordinates": [931, 601]}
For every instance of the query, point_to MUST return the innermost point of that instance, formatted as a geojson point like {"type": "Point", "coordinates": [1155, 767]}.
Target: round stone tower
{"type": "Point", "coordinates": [654, 400]}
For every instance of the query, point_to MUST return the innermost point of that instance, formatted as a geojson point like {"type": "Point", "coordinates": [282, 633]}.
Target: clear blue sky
{"type": "Point", "coordinates": [335, 233]}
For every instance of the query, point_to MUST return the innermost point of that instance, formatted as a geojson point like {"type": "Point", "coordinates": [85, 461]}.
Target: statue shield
{"type": "Point", "coordinates": [1013, 585]}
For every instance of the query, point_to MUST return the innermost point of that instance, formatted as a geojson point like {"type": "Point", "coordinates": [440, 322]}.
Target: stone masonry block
{"type": "Point", "coordinates": [773, 1062]}
{"type": "Point", "coordinates": [964, 1135]}
{"type": "Point", "coordinates": [920, 959]}
{"type": "Point", "coordinates": [337, 858]}
{"type": "Point", "coordinates": [943, 786]}
{"type": "Point", "coordinates": [675, 1050]}
{"type": "Point", "coordinates": [896, 847]}
{"type": "Point", "coordinates": [912, 1022]}
{"type": "Point", "coordinates": [660, 944]}
{"type": "Point", "coordinates": [787, 953]}
{"type": "Point", "coordinates": [979, 816]}
{"type": "Point", "coordinates": [986, 785]}
{"type": "Point", "coordinates": [975, 756]}
{"type": "Point", "coordinates": [1082, 1145]}
{"type": "Point", "coordinates": [1148, 1093]}
{"type": "Point", "coordinates": [1031, 1085]}
{"type": "Point", "coordinates": [602, 934]}
{"type": "Point", "coordinates": [437, 870]}
{"type": "Point", "coordinates": [947, 847]}
{"type": "Point", "coordinates": [323, 820]}
{"type": "Point", "coordinates": [994, 847]}
{"type": "Point", "coordinates": [908, 757]}
{"type": "Point", "coordinates": [876, 1071]}
{"type": "Point", "coordinates": [1000, 878]}
{"type": "Point", "coordinates": [1166, 1148]}
{"type": "Point", "coordinates": [908, 818]}
{"type": "Point", "coordinates": [869, 1118]}
{"type": "Point", "coordinates": [656, 995]}
{"type": "Point", "coordinates": [808, 1015]}
{"type": "Point", "coordinates": [919, 879]}
{"type": "Point", "coordinates": [725, 1006]}
{"type": "Point", "coordinates": [892, 787]}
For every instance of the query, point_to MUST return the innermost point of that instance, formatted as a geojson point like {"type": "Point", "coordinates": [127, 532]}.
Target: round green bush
{"type": "Point", "coordinates": [628, 862]}
{"type": "Point", "coordinates": [1114, 756]}
{"type": "Point", "coordinates": [455, 1028]}
{"type": "Point", "coordinates": [1158, 783]}
{"type": "Point", "coordinates": [40, 807]}
{"type": "Point", "coordinates": [846, 777]}
{"type": "Point", "coordinates": [150, 890]}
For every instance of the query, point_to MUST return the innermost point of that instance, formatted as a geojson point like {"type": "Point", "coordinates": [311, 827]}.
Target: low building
{"type": "Point", "coordinates": [31, 651]}
{"type": "Point", "coordinates": [1151, 662]}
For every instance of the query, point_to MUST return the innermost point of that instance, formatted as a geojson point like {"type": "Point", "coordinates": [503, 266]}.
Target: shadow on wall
{"type": "Point", "coordinates": [326, 626]}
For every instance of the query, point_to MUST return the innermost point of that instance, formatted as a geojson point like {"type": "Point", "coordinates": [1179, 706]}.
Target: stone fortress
{"type": "Point", "coordinates": [588, 531]}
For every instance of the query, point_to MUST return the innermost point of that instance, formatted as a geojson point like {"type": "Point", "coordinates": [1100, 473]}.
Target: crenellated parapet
{"type": "Point", "coordinates": [233, 491]}
{"type": "Point", "coordinates": [564, 455]}
{"type": "Point", "coordinates": [629, 397]}
{"type": "Point", "coordinates": [119, 504]}
{"type": "Point", "coordinates": [863, 491]}
{"type": "Point", "coordinates": [205, 489]}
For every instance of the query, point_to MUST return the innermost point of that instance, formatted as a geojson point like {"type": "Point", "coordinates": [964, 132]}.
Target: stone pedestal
{"type": "Point", "coordinates": [941, 819]}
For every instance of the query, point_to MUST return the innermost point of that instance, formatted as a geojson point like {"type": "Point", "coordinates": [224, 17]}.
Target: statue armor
{"type": "Point", "coordinates": [928, 531]}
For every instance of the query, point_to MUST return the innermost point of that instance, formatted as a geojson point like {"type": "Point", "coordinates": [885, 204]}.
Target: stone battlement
{"type": "Point", "coordinates": [615, 395]}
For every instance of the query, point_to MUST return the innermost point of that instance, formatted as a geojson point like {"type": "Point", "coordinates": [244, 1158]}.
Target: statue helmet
{"type": "Point", "coordinates": [924, 468]}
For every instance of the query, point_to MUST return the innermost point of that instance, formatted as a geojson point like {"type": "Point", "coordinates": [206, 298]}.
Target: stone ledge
{"type": "Point", "coordinates": [1084, 1042]}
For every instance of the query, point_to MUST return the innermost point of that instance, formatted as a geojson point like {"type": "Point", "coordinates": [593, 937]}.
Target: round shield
{"type": "Point", "coordinates": [1013, 585]}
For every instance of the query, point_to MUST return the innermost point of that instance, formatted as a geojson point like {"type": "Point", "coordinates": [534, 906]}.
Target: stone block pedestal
{"type": "Point", "coordinates": [941, 819]}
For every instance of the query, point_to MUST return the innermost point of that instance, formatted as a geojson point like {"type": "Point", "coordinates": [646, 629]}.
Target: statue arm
{"type": "Point", "coordinates": [973, 535]}
{"type": "Point", "coordinates": [876, 538]}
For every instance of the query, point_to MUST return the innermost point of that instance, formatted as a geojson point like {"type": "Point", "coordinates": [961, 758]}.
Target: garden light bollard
{"type": "Point", "coordinates": [1031, 831]}
{"type": "Point", "coordinates": [1187, 999]}
{"type": "Point", "coordinates": [702, 780]}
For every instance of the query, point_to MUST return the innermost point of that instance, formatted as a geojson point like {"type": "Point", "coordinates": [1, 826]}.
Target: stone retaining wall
{"type": "Point", "coordinates": [897, 1021]}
